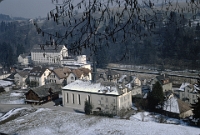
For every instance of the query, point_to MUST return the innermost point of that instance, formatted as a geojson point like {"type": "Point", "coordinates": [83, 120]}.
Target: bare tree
{"type": "Point", "coordinates": [104, 22]}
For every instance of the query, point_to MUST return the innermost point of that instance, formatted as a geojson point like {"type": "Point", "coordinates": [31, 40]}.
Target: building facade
{"type": "Point", "coordinates": [107, 97]}
{"type": "Point", "coordinates": [48, 54]}
{"type": "Point", "coordinates": [24, 59]}
{"type": "Point", "coordinates": [187, 93]}
{"type": "Point", "coordinates": [39, 75]}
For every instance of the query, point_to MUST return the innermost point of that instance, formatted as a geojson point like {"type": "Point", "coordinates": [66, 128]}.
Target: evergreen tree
{"type": "Point", "coordinates": [20, 49]}
{"type": "Point", "coordinates": [196, 107]}
{"type": "Point", "coordinates": [88, 107]}
{"type": "Point", "coordinates": [156, 97]}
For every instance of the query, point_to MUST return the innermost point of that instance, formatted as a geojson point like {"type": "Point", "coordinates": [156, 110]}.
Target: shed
{"type": "Point", "coordinates": [43, 94]}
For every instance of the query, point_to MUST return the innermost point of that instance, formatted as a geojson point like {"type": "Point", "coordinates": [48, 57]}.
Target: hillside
{"type": "Point", "coordinates": [45, 121]}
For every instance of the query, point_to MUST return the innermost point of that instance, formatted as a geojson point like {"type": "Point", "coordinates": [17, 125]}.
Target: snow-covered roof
{"type": "Point", "coordinates": [183, 85]}
{"type": "Point", "coordinates": [86, 86]}
{"type": "Point", "coordinates": [176, 106]}
{"type": "Point", "coordinates": [5, 83]}
{"type": "Point", "coordinates": [122, 78]}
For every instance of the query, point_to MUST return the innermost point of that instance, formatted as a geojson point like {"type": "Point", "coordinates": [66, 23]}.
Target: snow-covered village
{"type": "Point", "coordinates": [122, 67]}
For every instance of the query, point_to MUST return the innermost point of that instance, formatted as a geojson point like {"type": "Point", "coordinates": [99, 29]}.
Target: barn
{"type": "Point", "coordinates": [42, 94]}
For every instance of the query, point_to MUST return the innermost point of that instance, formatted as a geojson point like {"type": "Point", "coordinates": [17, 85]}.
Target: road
{"type": "Point", "coordinates": [6, 107]}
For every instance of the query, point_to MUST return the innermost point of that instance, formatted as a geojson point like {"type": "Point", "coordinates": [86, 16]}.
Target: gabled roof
{"type": "Point", "coordinates": [183, 106]}
{"type": "Point", "coordinates": [49, 48]}
{"type": "Point", "coordinates": [176, 106]}
{"type": "Point", "coordinates": [44, 90]}
{"type": "Point", "coordinates": [108, 88]}
{"type": "Point", "coordinates": [23, 73]}
{"type": "Point", "coordinates": [85, 71]}
{"type": "Point", "coordinates": [111, 72]}
{"type": "Point", "coordinates": [37, 71]}
{"type": "Point", "coordinates": [62, 72]}
{"type": "Point", "coordinates": [163, 79]}
{"type": "Point", "coordinates": [77, 72]}
{"type": "Point", "coordinates": [24, 55]}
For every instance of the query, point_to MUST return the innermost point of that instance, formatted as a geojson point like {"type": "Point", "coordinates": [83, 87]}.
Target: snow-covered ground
{"type": "Point", "coordinates": [45, 121]}
{"type": "Point", "coordinates": [12, 97]}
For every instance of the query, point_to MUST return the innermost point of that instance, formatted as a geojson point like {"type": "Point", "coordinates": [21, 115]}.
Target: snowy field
{"type": "Point", "coordinates": [12, 97]}
{"type": "Point", "coordinates": [30, 121]}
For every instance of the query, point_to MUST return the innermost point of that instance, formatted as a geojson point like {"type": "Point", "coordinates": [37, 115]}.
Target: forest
{"type": "Point", "coordinates": [170, 45]}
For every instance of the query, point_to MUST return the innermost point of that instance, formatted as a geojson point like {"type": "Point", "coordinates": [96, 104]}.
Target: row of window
{"type": "Point", "coordinates": [78, 98]}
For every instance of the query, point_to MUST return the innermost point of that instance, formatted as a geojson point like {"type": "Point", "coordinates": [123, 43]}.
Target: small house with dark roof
{"type": "Point", "coordinates": [112, 76]}
{"type": "Point", "coordinates": [39, 75]}
{"type": "Point", "coordinates": [4, 72]}
{"type": "Point", "coordinates": [43, 94]}
{"type": "Point", "coordinates": [164, 81]}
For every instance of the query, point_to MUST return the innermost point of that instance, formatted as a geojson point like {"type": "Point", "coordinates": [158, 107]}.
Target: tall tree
{"type": "Point", "coordinates": [6, 54]}
{"type": "Point", "coordinates": [156, 97]}
{"type": "Point", "coordinates": [88, 107]}
{"type": "Point", "coordinates": [20, 49]}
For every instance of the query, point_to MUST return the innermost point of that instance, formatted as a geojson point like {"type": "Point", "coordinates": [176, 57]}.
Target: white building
{"type": "Point", "coordinates": [75, 63]}
{"type": "Point", "coordinates": [106, 96]}
{"type": "Point", "coordinates": [20, 78]}
{"type": "Point", "coordinates": [39, 75]}
{"type": "Point", "coordinates": [188, 93]}
{"type": "Point", "coordinates": [48, 55]}
{"type": "Point", "coordinates": [24, 59]}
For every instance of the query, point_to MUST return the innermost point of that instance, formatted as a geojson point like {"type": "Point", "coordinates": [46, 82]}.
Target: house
{"type": "Point", "coordinates": [62, 76]}
{"type": "Point", "coordinates": [4, 73]}
{"type": "Point", "coordinates": [188, 93]}
{"type": "Point", "coordinates": [108, 75]}
{"type": "Point", "coordinates": [132, 83]}
{"type": "Point", "coordinates": [6, 85]}
{"type": "Point", "coordinates": [48, 54]}
{"type": "Point", "coordinates": [82, 73]}
{"type": "Point", "coordinates": [76, 62]}
{"type": "Point", "coordinates": [108, 97]}
{"type": "Point", "coordinates": [164, 81]}
{"type": "Point", "coordinates": [20, 78]}
{"type": "Point", "coordinates": [38, 76]}
{"type": "Point", "coordinates": [43, 94]}
{"type": "Point", "coordinates": [176, 108]}
{"type": "Point", "coordinates": [112, 75]}
{"type": "Point", "coordinates": [24, 59]}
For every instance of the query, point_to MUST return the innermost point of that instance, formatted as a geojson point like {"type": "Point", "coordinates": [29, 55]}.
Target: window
{"type": "Point", "coordinates": [72, 78]}
{"type": "Point", "coordinates": [106, 100]}
{"type": "Point", "coordinates": [99, 102]}
{"type": "Point", "coordinates": [67, 98]}
{"type": "Point", "coordinates": [73, 98]}
{"type": "Point", "coordinates": [113, 100]}
{"type": "Point", "coordinates": [79, 99]}
{"type": "Point", "coordinates": [88, 98]}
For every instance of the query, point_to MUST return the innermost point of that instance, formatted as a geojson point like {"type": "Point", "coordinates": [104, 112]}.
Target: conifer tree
{"type": "Point", "coordinates": [88, 107]}
{"type": "Point", "coordinates": [156, 97]}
